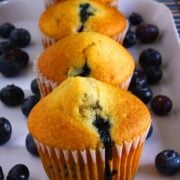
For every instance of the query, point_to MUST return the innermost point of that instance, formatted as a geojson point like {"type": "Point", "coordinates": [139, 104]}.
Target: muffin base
{"type": "Point", "coordinates": [46, 85]}
{"type": "Point", "coordinates": [89, 164]}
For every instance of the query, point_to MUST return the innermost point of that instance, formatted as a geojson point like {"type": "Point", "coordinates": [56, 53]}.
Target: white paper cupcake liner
{"type": "Point", "coordinates": [89, 163]}
{"type": "Point", "coordinates": [48, 41]}
{"type": "Point", "coordinates": [46, 85]}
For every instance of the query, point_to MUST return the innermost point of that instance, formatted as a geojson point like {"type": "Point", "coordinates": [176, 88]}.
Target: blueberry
{"type": "Point", "coordinates": [9, 65]}
{"type": "Point", "coordinates": [161, 105]}
{"type": "Point", "coordinates": [135, 19]}
{"type": "Point", "coordinates": [34, 87]}
{"type": "Point", "coordinates": [5, 46]}
{"type": "Point", "coordinates": [1, 174]}
{"type": "Point", "coordinates": [138, 79]}
{"type": "Point", "coordinates": [5, 29]}
{"type": "Point", "coordinates": [18, 172]}
{"type": "Point", "coordinates": [21, 56]}
{"type": "Point", "coordinates": [154, 74]}
{"type": "Point", "coordinates": [130, 39]}
{"type": "Point", "coordinates": [167, 162]}
{"type": "Point", "coordinates": [147, 33]}
{"type": "Point", "coordinates": [5, 131]}
{"type": "Point", "coordinates": [28, 104]}
{"type": "Point", "coordinates": [144, 93]}
{"type": "Point", "coordinates": [150, 132]}
{"type": "Point", "coordinates": [11, 95]}
{"type": "Point", "coordinates": [30, 145]}
{"type": "Point", "coordinates": [20, 37]}
{"type": "Point", "coordinates": [150, 57]}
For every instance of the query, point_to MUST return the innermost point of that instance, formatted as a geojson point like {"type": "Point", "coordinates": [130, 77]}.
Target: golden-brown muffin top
{"type": "Point", "coordinates": [74, 16]}
{"type": "Point", "coordinates": [65, 118]}
{"type": "Point", "coordinates": [87, 54]}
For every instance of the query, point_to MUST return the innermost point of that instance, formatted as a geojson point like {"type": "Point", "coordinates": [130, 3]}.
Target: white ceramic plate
{"type": "Point", "coordinates": [25, 13]}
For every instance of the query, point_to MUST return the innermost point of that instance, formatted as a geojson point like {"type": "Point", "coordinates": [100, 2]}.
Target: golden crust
{"type": "Point", "coordinates": [64, 118]}
{"type": "Point", "coordinates": [63, 19]}
{"type": "Point", "coordinates": [108, 60]}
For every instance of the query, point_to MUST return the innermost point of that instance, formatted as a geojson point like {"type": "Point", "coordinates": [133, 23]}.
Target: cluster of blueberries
{"type": "Point", "coordinates": [13, 59]}
{"type": "Point", "coordinates": [167, 162]}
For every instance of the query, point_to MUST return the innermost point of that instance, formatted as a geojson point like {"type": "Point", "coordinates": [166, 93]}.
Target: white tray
{"type": "Point", "coordinates": [25, 13]}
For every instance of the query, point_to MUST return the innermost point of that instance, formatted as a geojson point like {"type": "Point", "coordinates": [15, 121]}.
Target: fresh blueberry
{"type": "Point", "coordinates": [144, 93]}
{"type": "Point", "coordinates": [18, 172]}
{"type": "Point", "coordinates": [29, 103]}
{"type": "Point", "coordinates": [1, 174]}
{"type": "Point", "coordinates": [5, 29]}
{"type": "Point", "coordinates": [34, 87]}
{"type": "Point", "coordinates": [11, 95]}
{"type": "Point", "coordinates": [135, 19]}
{"type": "Point", "coordinates": [130, 39]}
{"type": "Point", "coordinates": [5, 46]}
{"type": "Point", "coordinates": [150, 132]}
{"type": "Point", "coordinates": [150, 57]}
{"type": "Point", "coordinates": [10, 66]}
{"type": "Point", "coordinates": [21, 56]}
{"type": "Point", "coordinates": [167, 162]}
{"type": "Point", "coordinates": [154, 74]}
{"type": "Point", "coordinates": [20, 37]}
{"type": "Point", "coordinates": [147, 33]}
{"type": "Point", "coordinates": [30, 145]}
{"type": "Point", "coordinates": [138, 79]}
{"type": "Point", "coordinates": [5, 131]}
{"type": "Point", "coordinates": [161, 105]}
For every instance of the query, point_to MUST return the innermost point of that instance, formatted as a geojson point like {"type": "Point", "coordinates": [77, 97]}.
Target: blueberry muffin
{"type": "Point", "coordinates": [75, 16]}
{"type": "Point", "coordinates": [86, 54]}
{"type": "Point", "coordinates": [87, 129]}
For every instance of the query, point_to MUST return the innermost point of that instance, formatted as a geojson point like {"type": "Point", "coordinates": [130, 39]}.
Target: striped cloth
{"type": "Point", "coordinates": [174, 6]}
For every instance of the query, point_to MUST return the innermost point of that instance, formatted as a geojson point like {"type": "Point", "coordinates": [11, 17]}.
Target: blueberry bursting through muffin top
{"type": "Point", "coordinates": [85, 12]}
{"type": "Point", "coordinates": [103, 125]}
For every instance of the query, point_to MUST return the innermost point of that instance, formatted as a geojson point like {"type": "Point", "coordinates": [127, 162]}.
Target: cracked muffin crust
{"type": "Point", "coordinates": [87, 54]}
{"type": "Point", "coordinates": [74, 16]}
{"type": "Point", "coordinates": [68, 117]}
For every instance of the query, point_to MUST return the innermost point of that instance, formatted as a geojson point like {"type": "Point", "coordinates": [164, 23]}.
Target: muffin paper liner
{"type": "Point", "coordinates": [48, 41]}
{"type": "Point", "coordinates": [46, 85]}
{"type": "Point", "coordinates": [49, 3]}
{"type": "Point", "coordinates": [89, 164]}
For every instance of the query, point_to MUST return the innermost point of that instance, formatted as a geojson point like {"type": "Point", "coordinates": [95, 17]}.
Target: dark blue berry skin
{"type": "Point", "coordinates": [147, 33]}
{"type": "Point", "coordinates": [1, 174]}
{"type": "Point", "coordinates": [35, 88]}
{"type": "Point", "coordinates": [161, 105]}
{"type": "Point", "coordinates": [20, 37]}
{"type": "Point", "coordinates": [138, 79]}
{"type": "Point", "coordinates": [144, 93]}
{"type": "Point", "coordinates": [5, 131]}
{"type": "Point", "coordinates": [11, 95]}
{"type": "Point", "coordinates": [167, 162]}
{"type": "Point", "coordinates": [5, 29]}
{"type": "Point", "coordinates": [135, 19]}
{"type": "Point", "coordinates": [150, 132]}
{"type": "Point", "coordinates": [18, 172]}
{"type": "Point", "coordinates": [21, 56]}
{"type": "Point", "coordinates": [29, 103]}
{"type": "Point", "coordinates": [5, 46]}
{"type": "Point", "coordinates": [150, 57]}
{"type": "Point", "coordinates": [154, 74]}
{"type": "Point", "coordinates": [30, 145]}
{"type": "Point", "coordinates": [130, 39]}
{"type": "Point", "coordinates": [9, 66]}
